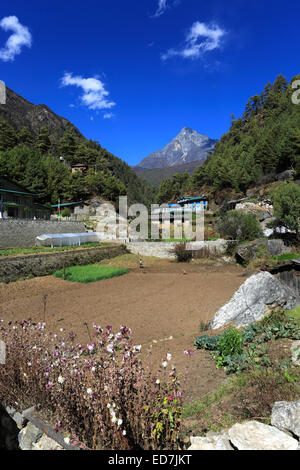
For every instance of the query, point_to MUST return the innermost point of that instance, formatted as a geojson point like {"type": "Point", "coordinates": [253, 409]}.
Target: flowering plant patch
{"type": "Point", "coordinates": [98, 394]}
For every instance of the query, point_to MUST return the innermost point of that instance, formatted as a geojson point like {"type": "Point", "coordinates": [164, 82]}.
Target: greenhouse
{"type": "Point", "coordinates": [67, 239]}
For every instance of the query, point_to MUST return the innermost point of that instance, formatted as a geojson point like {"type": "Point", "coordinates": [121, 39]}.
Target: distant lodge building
{"type": "Point", "coordinates": [79, 168]}
{"type": "Point", "coordinates": [188, 204]}
{"type": "Point", "coordinates": [16, 202]}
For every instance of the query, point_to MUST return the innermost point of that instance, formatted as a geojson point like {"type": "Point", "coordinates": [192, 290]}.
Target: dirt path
{"type": "Point", "coordinates": [163, 300]}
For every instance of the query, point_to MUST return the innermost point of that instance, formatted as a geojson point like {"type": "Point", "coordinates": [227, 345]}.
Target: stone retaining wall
{"type": "Point", "coordinates": [20, 233]}
{"type": "Point", "coordinates": [165, 249]}
{"type": "Point", "coordinates": [13, 268]}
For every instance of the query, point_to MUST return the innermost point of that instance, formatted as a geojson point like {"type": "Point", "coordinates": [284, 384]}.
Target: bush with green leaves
{"type": "Point", "coordinates": [286, 201]}
{"type": "Point", "coordinates": [66, 212]}
{"type": "Point", "coordinates": [230, 344]}
{"type": "Point", "coordinates": [238, 225]}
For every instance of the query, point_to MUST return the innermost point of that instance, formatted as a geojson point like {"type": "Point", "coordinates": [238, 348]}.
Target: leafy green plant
{"type": "Point", "coordinates": [239, 350]}
{"type": "Point", "coordinates": [207, 342]}
{"type": "Point", "coordinates": [90, 273]}
{"type": "Point", "coordinates": [230, 343]}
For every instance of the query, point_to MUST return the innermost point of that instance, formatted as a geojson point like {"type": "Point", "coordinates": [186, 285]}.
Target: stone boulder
{"type": "Point", "coordinates": [29, 436]}
{"type": "Point", "coordinates": [253, 301]}
{"type": "Point", "coordinates": [250, 251]}
{"type": "Point", "coordinates": [257, 436]}
{"type": "Point", "coordinates": [277, 247]}
{"type": "Point", "coordinates": [286, 416]}
{"type": "Point", "coordinates": [214, 442]}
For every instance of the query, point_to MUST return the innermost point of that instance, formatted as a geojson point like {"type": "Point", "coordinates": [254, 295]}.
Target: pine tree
{"type": "Point", "coordinates": [25, 137]}
{"type": "Point", "coordinates": [43, 142]}
{"type": "Point", "coordinates": [67, 146]}
{"type": "Point", "coordinates": [8, 137]}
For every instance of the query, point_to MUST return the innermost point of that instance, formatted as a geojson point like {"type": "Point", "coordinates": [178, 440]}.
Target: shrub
{"type": "Point", "coordinates": [182, 254]}
{"type": "Point", "coordinates": [286, 201]}
{"type": "Point", "coordinates": [100, 393]}
{"type": "Point", "coordinates": [230, 344]}
{"type": "Point", "coordinates": [66, 212]}
{"type": "Point", "coordinates": [238, 225]}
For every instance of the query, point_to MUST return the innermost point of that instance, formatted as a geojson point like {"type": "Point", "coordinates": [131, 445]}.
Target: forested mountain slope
{"type": "Point", "coordinates": [33, 142]}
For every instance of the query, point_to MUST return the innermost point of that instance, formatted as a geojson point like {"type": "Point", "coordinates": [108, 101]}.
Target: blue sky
{"type": "Point", "coordinates": [131, 74]}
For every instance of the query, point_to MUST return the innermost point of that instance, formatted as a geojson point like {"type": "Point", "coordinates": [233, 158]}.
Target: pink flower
{"type": "Point", "coordinates": [189, 352]}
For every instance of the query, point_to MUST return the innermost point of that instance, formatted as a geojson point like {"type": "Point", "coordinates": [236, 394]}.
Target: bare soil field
{"type": "Point", "coordinates": [163, 303]}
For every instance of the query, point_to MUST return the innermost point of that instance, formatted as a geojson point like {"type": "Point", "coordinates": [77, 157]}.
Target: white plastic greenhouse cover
{"type": "Point", "coordinates": [66, 239]}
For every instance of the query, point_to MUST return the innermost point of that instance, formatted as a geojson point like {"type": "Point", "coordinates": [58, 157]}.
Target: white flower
{"type": "Point", "coordinates": [124, 433]}
{"type": "Point", "coordinates": [93, 369]}
{"type": "Point", "coordinates": [169, 357]}
{"type": "Point", "coordinates": [61, 379]}
{"type": "Point", "coordinates": [108, 405]}
{"type": "Point", "coordinates": [67, 440]}
{"type": "Point", "coordinates": [113, 419]}
{"type": "Point", "coordinates": [164, 364]}
{"type": "Point", "coordinates": [138, 348]}
{"type": "Point", "coordinates": [158, 381]}
{"type": "Point", "coordinates": [89, 391]}
{"type": "Point", "coordinates": [120, 421]}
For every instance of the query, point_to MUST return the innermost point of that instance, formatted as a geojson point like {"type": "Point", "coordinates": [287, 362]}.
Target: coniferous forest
{"type": "Point", "coordinates": [35, 162]}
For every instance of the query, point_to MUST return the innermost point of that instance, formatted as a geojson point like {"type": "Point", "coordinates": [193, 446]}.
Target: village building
{"type": "Point", "coordinates": [19, 203]}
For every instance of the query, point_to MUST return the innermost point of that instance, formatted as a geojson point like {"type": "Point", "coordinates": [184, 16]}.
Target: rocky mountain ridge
{"type": "Point", "coordinates": [188, 146]}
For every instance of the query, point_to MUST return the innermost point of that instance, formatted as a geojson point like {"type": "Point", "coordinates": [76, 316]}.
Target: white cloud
{"type": "Point", "coordinates": [108, 115]}
{"type": "Point", "coordinates": [20, 37]}
{"type": "Point", "coordinates": [200, 39]}
{"type": "Point", "coordinates": [94, 94]}
{"type": "Point", "coordinates": [164, 5]}
{"type": "Point", "coordinates": [161, 8]}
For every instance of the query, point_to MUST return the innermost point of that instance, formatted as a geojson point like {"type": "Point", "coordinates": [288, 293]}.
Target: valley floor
{"type": "Point", "coordinates": [162, 301]}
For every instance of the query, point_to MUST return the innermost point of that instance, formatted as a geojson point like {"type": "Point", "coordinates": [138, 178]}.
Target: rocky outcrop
{"type": "Point", "coordinates": [250, 251]}
{"type": "Point", "coordinates": [254, 435]}
{"type": "Point", "coordinates": [21, 113]}
{"type": "Point", "coordinates": [259, 248]}
{"type": "Point", "coordinates": [283, 434]}
{"type": "Point", "coordinates": [253, 300]}
{"type": "Point", "coordinates": [286, 416]}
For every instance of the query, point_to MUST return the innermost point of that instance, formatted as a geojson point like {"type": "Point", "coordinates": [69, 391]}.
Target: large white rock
{"type": "Point", "coordinates": [257, 436]}
{"type": "Point", "coordinates": [286, 416]}
{"type": "Point", "coordinates": [249, 303]}
{"type": "Point", "coordinates": [213, 442]}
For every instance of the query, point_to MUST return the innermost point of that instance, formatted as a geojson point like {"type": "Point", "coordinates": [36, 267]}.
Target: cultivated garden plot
{"type": "Point", "coordinates": [183, 364]}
